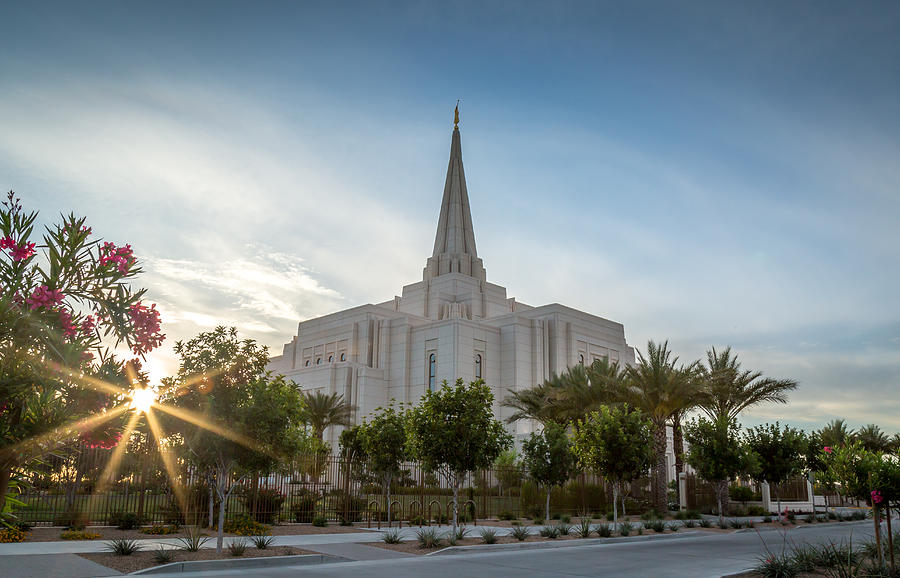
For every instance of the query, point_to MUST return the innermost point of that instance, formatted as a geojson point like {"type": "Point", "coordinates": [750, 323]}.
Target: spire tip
{"type": "Point", "coordinates": [456, 115]}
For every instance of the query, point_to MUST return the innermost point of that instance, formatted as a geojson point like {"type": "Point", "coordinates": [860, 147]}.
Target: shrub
{"type": "Point", "coordinates": [123, 547]}
{"type": "Point", "coordinates": [303, 507]}
{"type": "Point", "coordinates": [392, 536]}
{"type": "Point", "coordinates": [79, 535]}
{"type": "Point", "coordinates": [268, 504]}
{"type": "Point", "coordinates": [551, 532]}
{"type": "Point", "coordinates": [159, 530]}
{"type": "Point", "coordinates": [556, 516]}
{"type": "Point", "coordinates": [349, 507]}
{"type": "Point", "coordinates": [564, 529]}
{"type": "Point", "coordinates": [625, 528]}
{"type": "Point", "coordinates": [193, 541]}
{"type": "Point", "coordinates": [673, 526]}
{"type": "Point", "coordinates": [162, 556]}
{"type": "Point", "coordinates": [604, 530]}
{"type": "Point", "coordinates": [538, 521]}
{"type": "Point", "coordinates": [262, 542]}
{"type": "Point", "coordinates": [776, 566]}
{"type": "Point", "coordinates": [810, 519]}
{"type": "Point", "coordinates": [688, 515]}
{"type": "Point", "coordinates": [428, 538]}
{"type": "Point", "coordinates": [767, 520]}
{"type": "Point", "coordinates": [565, 519]}
{"type": "Point", "coordinates": [244, 525]}
{"type": "Point", "coordinates": [440, 518]}
{"type": "Point", "coordinates": [125, 520]}
{"type": "Point", "coordinates": [72, 520]}
{"type": "Point", "coordinates": [704, 523]}
{"type": "Point", "coordinates": [689, 523]}
{"type": "Point", "coordinates": [520, 533]}
{"type": "Point", "coordinates": [755, 510]}
{"type": "Point", "coordinates": [584, 528]}
{"type": "Point", "coordinates": [320, 522]}
{"type": "Point", "coordinates": [506, 515]}
{"type": "Point", "coordinates": [23, 526]}
{"type": "Point", "coordinates": [237, 547]}
{"type": "Point", "coordinates": [8, 535]}
{"type": "Point", "coordinates": [741, 494]}
{"type": "Point", "coordinates": [657, 526]}
{"type": "Point", "coordinates": [489, 536]}
{"type": "Point", "coordinates": [609, 516]}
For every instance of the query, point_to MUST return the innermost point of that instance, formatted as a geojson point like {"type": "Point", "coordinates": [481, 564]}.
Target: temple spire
{"type": "Point", "coordinates": [454, 243]}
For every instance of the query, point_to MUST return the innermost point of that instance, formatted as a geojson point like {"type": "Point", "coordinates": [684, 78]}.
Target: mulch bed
{"type": "Point", "coordinates": [144, 558]}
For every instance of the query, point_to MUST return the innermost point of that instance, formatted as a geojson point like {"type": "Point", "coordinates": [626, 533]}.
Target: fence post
{"type": "Point", "coordinates": [766, 496]}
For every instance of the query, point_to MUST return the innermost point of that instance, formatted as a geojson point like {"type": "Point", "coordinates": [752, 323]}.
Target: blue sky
{"type": "Point", "coordinates": [711, 173]}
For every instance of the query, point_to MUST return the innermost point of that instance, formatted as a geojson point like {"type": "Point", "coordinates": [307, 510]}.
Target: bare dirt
{"type": "Point", "coordinates": [144, 558]}
{"type": "Point", "coordinates": [52, 534]}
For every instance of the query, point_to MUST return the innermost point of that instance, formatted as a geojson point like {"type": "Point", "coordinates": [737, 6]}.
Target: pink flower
{"type": "Point", "coordinates": [7, 243]}
{"type": "Point", "coordinates": [121, 257]}
{"type": "Point", "coordinates": [827, 449]}
{"type": "Point", "coordinates": [69, 328]}
{"type": "Point", "coordinates": [146, 325]}
{"type": "Point", "coordinates": [17, 251]}
{"type": "Point", "coordinates": [43, 296]}
{"type": "Point", "coordinates": [876, 497]}
{"type": "Point", "coordinates": [88, 325]}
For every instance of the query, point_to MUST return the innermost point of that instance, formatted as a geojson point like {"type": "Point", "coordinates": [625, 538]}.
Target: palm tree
{"type": "Point", "coordinates": [660, 390]}
{"type": "Point", "coordinates": [323, 410]}
{"type": "Point", "coordinates": [895, 443]}
{"type": "Point", "coordinates": [728, 390]}
{"type": "Point", "coordinates": [873, 439]}
{"type": "Point", "coordinates": [581, 390]}
{"type": "Point", "coordinates": [836, 434]}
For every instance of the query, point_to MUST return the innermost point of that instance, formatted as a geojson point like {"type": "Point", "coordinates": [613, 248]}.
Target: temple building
{"type": "Point", "coordinates": [451, 324]}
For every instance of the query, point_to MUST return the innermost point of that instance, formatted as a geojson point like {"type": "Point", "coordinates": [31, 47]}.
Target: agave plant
{"type": "Point", "coordinates": [520, 533]}
{"type": "Point", "coordinates": [428, 538]}
{"type": "Point", "coordinates": [392, 536]}
{"type": "Point", "coordinates": [489, 536]}
{"type": "Point", "coordinates": [263, 542]}
{"type": "Point", "coordinates": [124, 546]}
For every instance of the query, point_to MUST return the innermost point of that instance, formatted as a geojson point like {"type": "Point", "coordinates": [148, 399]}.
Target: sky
{"type": "Point", "coordinates": [711, 173]}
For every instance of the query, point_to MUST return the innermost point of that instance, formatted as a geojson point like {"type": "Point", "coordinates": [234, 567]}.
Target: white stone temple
{"type": "Point", "coordinates": [451, 324]}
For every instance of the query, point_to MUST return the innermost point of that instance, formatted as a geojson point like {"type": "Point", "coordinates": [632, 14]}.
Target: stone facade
{"type": "Point", "coordinates": [451, 324]}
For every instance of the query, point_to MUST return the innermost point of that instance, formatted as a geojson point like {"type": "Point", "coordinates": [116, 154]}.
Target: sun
{"type": "Point", "coordinates": [143, 399]}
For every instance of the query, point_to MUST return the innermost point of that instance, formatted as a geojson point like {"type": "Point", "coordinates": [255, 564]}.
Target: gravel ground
{"type": "Point", "coordinates": [51, 534]}
{"type": "Point", "coordinates": [144, 559]}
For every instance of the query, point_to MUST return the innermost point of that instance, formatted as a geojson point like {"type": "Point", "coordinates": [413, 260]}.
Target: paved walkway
{"type": "Point", "coordinates": [54, 565]}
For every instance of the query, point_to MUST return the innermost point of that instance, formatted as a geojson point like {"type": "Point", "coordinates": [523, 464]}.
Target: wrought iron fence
{"type": "Point", "coordinates": [87, 485]}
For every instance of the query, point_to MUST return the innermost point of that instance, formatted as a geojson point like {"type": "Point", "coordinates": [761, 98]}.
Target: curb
{"type": "Point", "coordinates": [475, 548]}
{"type": "Point", "coordinates": [240, 563]}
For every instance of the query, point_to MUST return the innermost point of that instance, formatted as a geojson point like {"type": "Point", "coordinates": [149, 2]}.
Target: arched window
{"type": "Point", "coordinates": [330, 358]}
{"type": "Point", "coordinates": [432, 371]}
{"type": "Point", "coordinates": [307, 363]}
{"type": "Point", "coordinates": [343, 357]}
{"type": "Point", "coordinates": [478, 366]}
{"type": "Point", "coordinates": [318, 361]}
{"type": "Point", "coordinates": [581, 358]}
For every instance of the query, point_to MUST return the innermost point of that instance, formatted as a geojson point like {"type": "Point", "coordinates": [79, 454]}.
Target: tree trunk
{"type": "Point", "coordinates": [615, 504]}
{"type": "Point", "coordinates": [255, 509]}
{"type": "Point", "coordinates": [387, 495]}
{"type": "Point", "coordinates": [659, 480]}
{"type": "Point", "coordinates": [890, 534]}
{"type": "Point", "coordinates": [547, 509]}
{"type": "Point", "coordinates": [877, 518]}
{"type": "Point", "coordinates": [5, 476]}
{"type": "Point", "coordinates": [455, 501]}
{"type": "Point", "coordinates": [220, 531]}
{"type": "Point", "coordinates": [212, 501]}
{"type": "Point", "coordinates": [721, 489]}
{"type": "Point", "coordinates": [678, 446]}
{"type": "Point", "coordinates": [624, 513]}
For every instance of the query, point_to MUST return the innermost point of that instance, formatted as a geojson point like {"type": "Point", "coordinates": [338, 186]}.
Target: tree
{"type": "Point", "coordinates": [660, 389]}
{"type": "Point", "coordinates": [586, 389]}
{"type": "Point", "coordinates": [323, 410]}
{"type": "Point", "coordinates": [233, 418]}
{"type": "Point", "coordinates": [548, 458]}
{"type": "Point", "coordinates": [873, 439]}
{"type": "Point", "coordinates": [728, 390]}
{"type": "Point", "coordinates": [508, 470]}
{"type": "Point", "coordinates": [836, 434]}
{"type": "Point", "coordinates": [537, 403]}
{"type": "Point", "coordinates": [616, 443]}
{"type": "Point", "coordinates": [384, 443]}
{"type": "Point", "coordinates": [718, 454]}
{"type": "Point", "coordinates": [65, 300]}
{"type": "Point", "coordinates": [778, 452]}
{"type": "Point", "coordinates": [453, 432]}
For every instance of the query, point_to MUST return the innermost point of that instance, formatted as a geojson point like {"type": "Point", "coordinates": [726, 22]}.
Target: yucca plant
{"type": "Point", "coordinates": [124, 546]}
{"type": "Point", "coordinates": [564, 529]}
{"type": "Point", "coordinates": [605, 530]}
{"type": "Point", "coordinates": [674, 526]}
{"type": "Point", "coordinates": [551, 532]}
{"type": "Point", "coordinates": [625, 528]}
{"type": "Point", "coordinates": [263, 542]}
{"type": "Point", "coordinates": [461, 533]}
{"type": "Point", "coordinates": [392, 536]}
{"type": "Point", "coordinates": [704, 523]}
{"type": "Point", "coordinates": [193, 541]}
{"type": "Point", "coordinates": [776, 566]}
{"type": "Point", "coordinates": [657, 526]}
{"type": "Point", "coordinates": [489, 536]}
{"type": "Point", "coordinates": [520, 533]}
{"type": "Point", "coordinates": [163, 556]}
{"type": "Point", "coordinates": [428, 538]}
{"type": "Point", "coordinates": [237, 547]}
{"type": "Point", "coordinates": [584, 528]}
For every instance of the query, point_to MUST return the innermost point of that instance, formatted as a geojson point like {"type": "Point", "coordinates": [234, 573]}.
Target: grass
{"type": "Point", "coordinates": [428, 538]}
{"type": "Point", "coordinates": [489, 536]}
{"type": "Point", "coordinates": [392, 536]}
{"type": "Point", "coordinates": [262, 542]}
{"type": "Point", "coordinates": [123, 546]}
{"type": "Point", "coordinates": [193, 541]}
{"type": "Point", "coordinates": [520, 533]}
{"type": "Point", "coordinates": [237, 547]}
